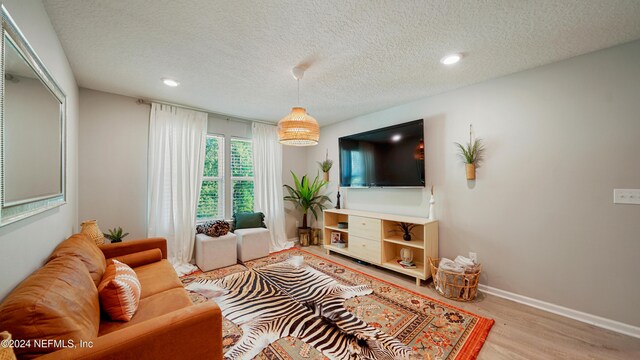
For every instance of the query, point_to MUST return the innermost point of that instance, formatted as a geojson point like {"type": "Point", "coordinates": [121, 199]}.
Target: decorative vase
{"type": "Point", "coordinates": [304, 235]}
{"type": "Point", "coordinates": [325, 176]}
{"type": "Point", "coordinates": [406, 255]}
{"type": "Point", "coordinates": [432, 205]}
{"type": "Point", "coordinates": [406, 236]}
{"type": "Point", "coordinates": [92, 231]}
{"type": "Point", "coordinates": [471, 171]}
{"type": "Point", "coordinates": [315, 236]}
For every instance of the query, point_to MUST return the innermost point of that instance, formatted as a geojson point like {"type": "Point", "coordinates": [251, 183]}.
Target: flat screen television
{"type": "Point", "coordinates": [389, 157]}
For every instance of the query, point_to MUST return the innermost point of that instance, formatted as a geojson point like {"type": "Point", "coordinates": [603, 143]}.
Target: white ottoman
{"type": "Point", "coordinates": [215, 252]}
{"type": "Point", "coordinates": [252, 243]}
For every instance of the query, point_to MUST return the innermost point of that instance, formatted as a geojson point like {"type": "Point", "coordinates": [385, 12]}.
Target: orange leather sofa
{"type": "Point", "coordinates": [57, 310]}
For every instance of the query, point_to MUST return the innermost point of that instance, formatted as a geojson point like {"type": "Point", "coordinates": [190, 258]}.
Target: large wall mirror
{"type": "Point", "coordinates": [33, 131]}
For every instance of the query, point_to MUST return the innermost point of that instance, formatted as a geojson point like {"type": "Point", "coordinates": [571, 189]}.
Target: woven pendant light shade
{"type": "Point", "coordinates": [298, 128]}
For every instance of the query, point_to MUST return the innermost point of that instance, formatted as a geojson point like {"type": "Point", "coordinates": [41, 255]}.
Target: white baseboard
{"type": "Point", "coordinates": [563, 311]}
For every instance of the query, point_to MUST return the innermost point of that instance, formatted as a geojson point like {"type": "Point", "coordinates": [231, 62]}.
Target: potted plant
{"type": "Point", "coordinates": [326, 166]}
{"type": "Point", "coordinates": [116, 235]}
{"type": "Point", "coordinates": [407, 229]}
{"type": "Point", "coordinates": [472, 155]}
{"type": "Point", "coordinates": [306, 196]}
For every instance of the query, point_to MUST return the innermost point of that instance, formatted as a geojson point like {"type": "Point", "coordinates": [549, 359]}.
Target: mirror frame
{"type": "Point", "coordinates": [21, 209]}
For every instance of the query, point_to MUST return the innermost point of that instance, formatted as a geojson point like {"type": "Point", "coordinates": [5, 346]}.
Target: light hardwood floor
{"type": "Point", "coordinates": [520, 331]}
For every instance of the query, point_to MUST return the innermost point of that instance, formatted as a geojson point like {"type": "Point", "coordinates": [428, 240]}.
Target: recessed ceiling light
{"type": "Point", "coordinates": [170, 82]}
{"type": "Point", "coordinates": [451, 59]}
{"type": "Point", "coordinates": [396, 137]}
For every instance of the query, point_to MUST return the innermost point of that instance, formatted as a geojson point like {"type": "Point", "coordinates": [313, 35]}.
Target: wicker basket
{"type": "Point", "coordinates": [6, 353]}
{"type": "Point", "coordinates": [455, 286]}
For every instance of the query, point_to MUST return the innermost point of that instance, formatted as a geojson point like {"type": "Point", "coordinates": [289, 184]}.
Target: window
{"type": "Point", "coordinates": [217, 199]}
{"type": "Point", "coordinates": [211, 202]}
{"type": "Point", "coordinates": [241, 175]}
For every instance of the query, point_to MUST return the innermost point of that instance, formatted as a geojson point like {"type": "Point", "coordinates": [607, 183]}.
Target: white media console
{"type": "Point", "coordinates": [374, 238]}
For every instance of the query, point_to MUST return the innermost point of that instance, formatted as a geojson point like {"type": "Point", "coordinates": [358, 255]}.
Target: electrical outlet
{"type": "Point", "coordinates": [626, 196]}
{"type": "Point", "coordinates": [473, 256]}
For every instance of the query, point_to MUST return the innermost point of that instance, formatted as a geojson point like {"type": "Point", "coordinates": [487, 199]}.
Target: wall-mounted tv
{"type": "Point", "coordinates": [389, 157]}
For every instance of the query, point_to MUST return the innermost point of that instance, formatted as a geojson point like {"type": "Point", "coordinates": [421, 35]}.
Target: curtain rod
{"type": "Point", "coordinates": [224, 116]}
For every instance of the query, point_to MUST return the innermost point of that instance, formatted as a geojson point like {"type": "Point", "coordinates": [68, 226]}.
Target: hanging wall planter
{"type": "Point", "coordinates": [325, 166]}
{"type": "Point", "coordinates": [471, 171]}
{"type": "Point", "coordinates": [471, 154]}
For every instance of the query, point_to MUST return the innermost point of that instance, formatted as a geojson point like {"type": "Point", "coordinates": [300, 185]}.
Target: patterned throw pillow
{"type": "Point", "coordinates": [214, 228]}
{"type": "Point", "coordinates": [204, 227]}
{"type": "Point", "coordinates": [219, 228]}
{"type": "Point", "coordinates": [119, 291]}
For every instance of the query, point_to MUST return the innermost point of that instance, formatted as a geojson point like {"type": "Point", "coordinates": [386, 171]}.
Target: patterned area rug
{"type": "Point", "coordinates": [430, 328]}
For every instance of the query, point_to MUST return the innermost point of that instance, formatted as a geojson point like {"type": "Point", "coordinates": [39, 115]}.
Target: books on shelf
{"type": "Point", "coordinates": [410, 265]}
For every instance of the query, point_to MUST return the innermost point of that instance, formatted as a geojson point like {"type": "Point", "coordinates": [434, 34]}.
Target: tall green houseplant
{"type": "Point", "coordinates": [306, 196]}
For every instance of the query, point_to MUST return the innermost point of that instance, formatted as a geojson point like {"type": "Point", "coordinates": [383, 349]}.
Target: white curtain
{"type": "Point", "coordinates": [177, 139]}
{"type": "Point", "coordinates": [267, 172]}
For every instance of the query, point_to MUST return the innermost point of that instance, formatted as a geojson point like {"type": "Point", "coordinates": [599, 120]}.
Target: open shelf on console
{"type": "Point", "coordinates": [419, 244]}
{"type": "Point", "coordinates": [391, 255]}
{"type": "Point", "coordinates": [331, 219]}
{"type": "Point", "coordinates": [417, 272]}
{"type": "Point", "coordinates": [391, 232]}
{"type": "Point", "coordinates": [335, 228]}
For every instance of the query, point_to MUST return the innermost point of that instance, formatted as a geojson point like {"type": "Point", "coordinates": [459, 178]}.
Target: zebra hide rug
{"type": "Point", "coordinates": [291, 299]}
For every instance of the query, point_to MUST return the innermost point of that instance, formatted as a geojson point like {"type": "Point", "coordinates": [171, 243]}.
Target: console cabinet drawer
{"type": "Point", "coordinates": [365, 227]}
{"type": "Point", "coordinates": [365, 248]}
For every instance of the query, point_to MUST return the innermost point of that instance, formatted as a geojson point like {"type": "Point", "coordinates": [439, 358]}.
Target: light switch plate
{"type": "Point", "coordinates": [626, 196]}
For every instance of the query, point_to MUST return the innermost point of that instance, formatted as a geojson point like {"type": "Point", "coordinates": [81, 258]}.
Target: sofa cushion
{"type": "Point", "coordinates": [156, 278]}
{"type": "Point", "coordinates": [80, 246]}
{"type": "Point", "coordinates": [59, 302]}
{"type": "Point", "coordinates": [149, 308]}
{"type": "Point", "coordinates": [138, 258]}
{"type": "Point", "coordinates": [119, 291]}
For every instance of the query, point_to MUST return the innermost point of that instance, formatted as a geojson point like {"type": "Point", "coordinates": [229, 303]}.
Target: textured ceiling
{"type": "Point", "coordinates": [235, 57]}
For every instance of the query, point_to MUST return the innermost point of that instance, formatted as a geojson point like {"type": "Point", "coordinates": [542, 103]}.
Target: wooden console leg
{"type": "Point", "coordinates": [417, 281]}
{"type": "Point", "coordinates": [328, 252]}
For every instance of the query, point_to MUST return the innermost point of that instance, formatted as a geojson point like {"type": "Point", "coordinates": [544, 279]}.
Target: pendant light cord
{"type": "Point", "coordinates": [298, 91]}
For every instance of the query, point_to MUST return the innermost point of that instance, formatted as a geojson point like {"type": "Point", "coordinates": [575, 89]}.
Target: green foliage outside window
{"type": "Point", "coordinates": [242, 175]}
{"type": "Point", "coordinates": [208, 206]}
{"type": "Point", "coordinates": [241, 158]}
{"type": "Point", "coordinates": [211, 164]}
{"type": "Point", "coordinates": [242, 196]}
{"type": "Point", "coordinates": [209, 203]}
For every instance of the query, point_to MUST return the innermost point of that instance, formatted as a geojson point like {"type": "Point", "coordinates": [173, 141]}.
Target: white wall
{"type": "Point", "coordinates": [540, 216]}
{"type": "Point", "coordinates": [113, 142]}
{"type": "Point", "coordinates": [114, 134]}
{"type": "Point", "coordinates": [293, 159]}
{"type": "Point", "coordinates": [26, 244]}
